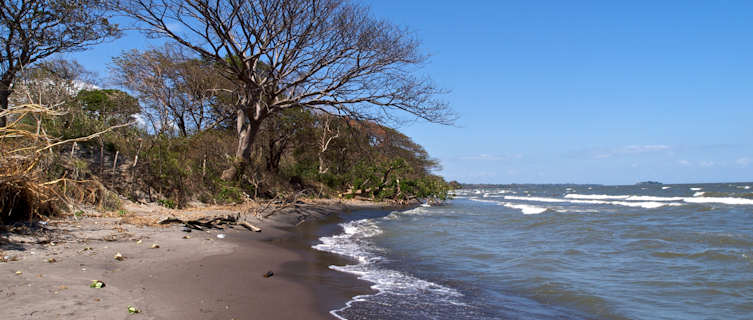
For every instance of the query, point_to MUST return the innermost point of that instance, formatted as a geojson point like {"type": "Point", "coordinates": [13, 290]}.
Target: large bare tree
{"type": "Point", "coordinates": [178, 88]}
{"type": "Point", "coordinates": [31, 30]}
{"type": "Point", "coordinates": [331, 55]}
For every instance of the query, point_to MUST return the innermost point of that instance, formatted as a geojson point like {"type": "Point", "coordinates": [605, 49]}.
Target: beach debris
{"type": "Point", "coordinates": [132, 309]}
{"type": "Point", "coordinates": [97, 284]}
{"type": "Point", "coordinates": [249, 226]}
{"type": "Point", "coordinates": [186, 237]}
{"type": "Point", "coordinates": [268, 274]}
{"type": "Point", "coordinates": [155, 246]}
{"type": "Point", "coordinates": [138, 242]}
{"type": "Point", "coordinates": [19, 272]}
{"type": "Point", "coordinates": [170, 220]}
{"type": "Point", "coordinates": [119, 257]}
{"type": "Point", "coordinates": [221, 236]}
{"type": "Point", "coordinates": [52, 260]}
{"type": "Point", "coordinates": [202, 224]}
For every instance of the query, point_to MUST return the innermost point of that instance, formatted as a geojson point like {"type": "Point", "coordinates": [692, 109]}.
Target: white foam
{"type": "Point", "coordinates": [536, 199]}
{"type": "Point", "coordinates": [696, 189]}
{"type": "Point", "coordinates": [647, 205]}
{"type": "Point", "coordinates": [526, 209]}
{"type": "Point", "coordinates": [642, 204]}
{"type": "Point", "coordinates": [665, 188]}
{"type": "Point", "coordinates": [595, 196]}
{"type": "Point", "coordinates": [621, 197]}
{"type": "Point", "coordinates": [731, 201]}
{"type": "Point", "coordinates": [648, 202]}
{"type": "Point", "coordinates": [652, 198]}
{"type": "Point", "coordinates": [354, 242]}
{"type": "Point", "coordinates": [483, 200]}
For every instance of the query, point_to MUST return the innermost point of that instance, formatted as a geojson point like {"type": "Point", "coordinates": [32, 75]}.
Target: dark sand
{"type": "Point", "coordinates": [204, 277]}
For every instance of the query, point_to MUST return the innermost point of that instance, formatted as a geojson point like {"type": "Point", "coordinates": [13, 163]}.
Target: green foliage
{"type": "Point", "coordinates": [110, 201]}
{"type": "Point", "coordinates": [108, 105]}
{"type": "Point", "coordinates": [167, 203]}
{"type": "Point", "coordinates": [228, 193]}
{"type": "Point", "coordinates": [295, 151]}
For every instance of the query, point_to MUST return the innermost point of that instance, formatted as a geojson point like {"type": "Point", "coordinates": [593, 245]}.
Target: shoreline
{"type": "Point", "coordinates": [203, 277]}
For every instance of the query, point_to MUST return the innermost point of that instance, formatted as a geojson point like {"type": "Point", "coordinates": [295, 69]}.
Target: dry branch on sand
{"type": "Point", "coordinates": [27, 189]}
{"type": "Point", "coordinates": [210, 223]}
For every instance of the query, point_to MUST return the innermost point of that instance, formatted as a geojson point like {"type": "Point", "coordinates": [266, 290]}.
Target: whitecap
{"type": "Point", "coordinates": [647, 205]}
{"type": "Point", "coordinates": [665, 188]}
{"type": "Point", "coordinates": [483, 200]}
{"type": "Point", "coordinates": [526, 209]}
{"type": "Point", "coordinates": [652, 198]}
{"type": "Point", "coordinates": [731, 201]}
{"type": "Point", "coordinates": [696, 189]}
{"type": "Point", "coordinates": [699, 194]}
{"type": "Point", "coordinates": [621, 197]}
{"type": "Point", "coordinates": [536, 199]}
{"type": "Point", "coordinates": [643, 204]}
{"type": "Point", "coordinates": [595, 196]}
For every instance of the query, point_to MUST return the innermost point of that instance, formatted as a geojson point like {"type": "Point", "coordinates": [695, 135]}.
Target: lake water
{"type": "Point", "coordinates": [557, 252]}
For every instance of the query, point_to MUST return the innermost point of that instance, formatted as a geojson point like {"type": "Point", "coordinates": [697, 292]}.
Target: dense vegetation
{"type": "Point", "coordinates": [222, 121]}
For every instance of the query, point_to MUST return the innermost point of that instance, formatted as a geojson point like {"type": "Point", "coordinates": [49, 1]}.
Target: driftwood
{"type": "Point", "coordinates": [210, 223]}
{"type": "Point", "coordinates": [249, 226]}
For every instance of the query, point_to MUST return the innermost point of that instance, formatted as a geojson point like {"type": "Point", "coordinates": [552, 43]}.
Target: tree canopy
{"type": "Point", "coordinates": [32, 30]}
{"type": "Point", "coordinates": [329, 55]}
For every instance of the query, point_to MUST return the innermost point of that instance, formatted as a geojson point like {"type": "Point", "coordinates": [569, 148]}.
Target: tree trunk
{"type": "Point", "coordinates": [4, 95]}
{"type": "Point", "coordinates": [322, 168]}
{"type": "Point", "coordinates": [275, 155]}
{"type": "Point", "coordinates": [247, 129]}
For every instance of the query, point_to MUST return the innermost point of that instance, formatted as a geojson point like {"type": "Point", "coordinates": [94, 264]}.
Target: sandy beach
{"type": "Point", "coordinates": [167, 273]}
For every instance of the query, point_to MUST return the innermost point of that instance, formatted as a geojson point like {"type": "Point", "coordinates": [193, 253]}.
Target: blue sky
{"type": "Point", "coordinates": [610, 92]}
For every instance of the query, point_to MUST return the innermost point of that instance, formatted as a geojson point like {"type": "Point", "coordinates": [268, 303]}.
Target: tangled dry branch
{"type": "Point", "coordinates": [28, 190]}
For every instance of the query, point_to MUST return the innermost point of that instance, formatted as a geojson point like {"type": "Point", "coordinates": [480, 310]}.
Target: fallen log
{"type": "Point", "coordinates": [249, 226]}
{"type": "Point", "coordinates": [170, 220]}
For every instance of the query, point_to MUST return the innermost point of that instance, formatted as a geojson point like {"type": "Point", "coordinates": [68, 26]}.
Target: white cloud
{"type": "Point", "coordinates": [645, 148]}
{"type": "Point", "coordinates": [685, 163]}
{"type": "Point", "coordinates": [706, 164]}
{"type": "Point", "coordinates": [631, 150]}
{"type": "Point", "coordinates": [744, 162]}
